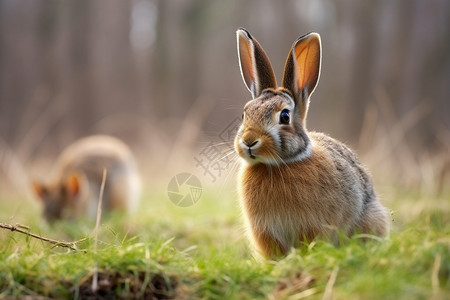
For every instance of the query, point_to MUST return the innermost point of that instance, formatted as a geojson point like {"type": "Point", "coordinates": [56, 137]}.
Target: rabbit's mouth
{"type": "Point", "coordinates": [254, 153]}
{"type": "Point", "coordinates": [249, 148]}
{"type": "Point", "coordinates": [252, 156]}
{"type": "Point", "coordinates": [256, 148]}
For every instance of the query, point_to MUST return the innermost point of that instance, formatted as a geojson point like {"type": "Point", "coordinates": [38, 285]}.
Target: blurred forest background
{"type": "Point", "coordinates": [164, 77]}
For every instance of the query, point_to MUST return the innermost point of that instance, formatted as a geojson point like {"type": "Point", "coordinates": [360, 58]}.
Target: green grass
{"type": "Point", "coordinates": [201, 252]}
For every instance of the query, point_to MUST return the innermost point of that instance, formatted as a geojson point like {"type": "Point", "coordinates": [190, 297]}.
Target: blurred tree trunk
{"type": "Point", "coordinates": [71, 63]}
{"type": "Point", "coordinates": [76, 79]}
{"type": "Point", "coordinates": [362, 62]}
{"type": "Point", "coordinates": [160, 63]}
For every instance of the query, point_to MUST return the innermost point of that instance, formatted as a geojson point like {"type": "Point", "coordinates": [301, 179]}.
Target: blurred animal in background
{"type": "Point", "coordinates": [72, 189]}
{"type": "Point", "coordinates": [296, 185]}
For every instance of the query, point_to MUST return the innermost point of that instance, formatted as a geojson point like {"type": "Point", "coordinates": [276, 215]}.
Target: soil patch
{"type": "Point", "coordinates": [140, 285]}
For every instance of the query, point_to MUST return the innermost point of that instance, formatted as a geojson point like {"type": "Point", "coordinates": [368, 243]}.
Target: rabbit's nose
{"type": "Point", "coordinates": [251, 143]}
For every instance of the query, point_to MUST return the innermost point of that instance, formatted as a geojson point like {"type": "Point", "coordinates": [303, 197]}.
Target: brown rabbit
{"type": "Point", "coordinates": [74, 186]}
{"type": "Point", "coordinates": [296, 185]}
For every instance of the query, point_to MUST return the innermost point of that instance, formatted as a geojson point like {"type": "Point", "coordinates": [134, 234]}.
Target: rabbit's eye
{"type": "Point", "coordinates": [285, 117]}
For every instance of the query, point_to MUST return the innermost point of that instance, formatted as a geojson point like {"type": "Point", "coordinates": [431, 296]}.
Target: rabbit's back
{"type": "Point", "coordinates": [346, 164]}
{"type": "Point", "coordinates": [90, 156]}
{"type": "Point", "coordinates": [373, 216]}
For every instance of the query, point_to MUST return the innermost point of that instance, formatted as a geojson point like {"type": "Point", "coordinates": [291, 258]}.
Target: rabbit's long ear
{"type": "Point", "coordinates": [302, 69]}
{"type": "Point", "coordinates": [255, 66]}
{"type": "Point", "coordinates": [73, 184]}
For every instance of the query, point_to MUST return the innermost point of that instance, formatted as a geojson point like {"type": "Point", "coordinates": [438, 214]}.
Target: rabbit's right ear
{"type": "Point", "coordinates": [256, 69]}
{"type": "Point", "coordinates": [73, 184]}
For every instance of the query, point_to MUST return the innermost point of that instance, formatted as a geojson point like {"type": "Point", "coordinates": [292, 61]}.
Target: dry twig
{"type": "Point", "coordinates": [97, 224]}
{"type": "Point", "coordinates": [435, 274]}
{"type": "Point", "coordinates": [26, 230]}
{"type": "Point", "coordinates": [328, 294]}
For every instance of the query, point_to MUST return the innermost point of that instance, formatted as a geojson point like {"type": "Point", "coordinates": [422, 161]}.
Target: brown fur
{"type": "Point", "coordinates": [316, 196]}
{"type": "Point", "coordinates": [297, 185]}
{"type": "Point", "coordinates": [74, 186]}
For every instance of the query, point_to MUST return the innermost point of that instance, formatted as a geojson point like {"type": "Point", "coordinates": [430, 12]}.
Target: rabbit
{"type": "Point", "coordinates": [295, 185]}
{"type": "Point", "coordinates": [74, 186]}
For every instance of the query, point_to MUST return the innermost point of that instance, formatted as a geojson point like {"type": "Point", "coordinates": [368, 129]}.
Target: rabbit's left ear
{"type": "Point", "coordinates": [39, 190]}
{"type": "Point", "coordinates": [302, 69]}
{"type": "Point", "coordinates": [256, 69]}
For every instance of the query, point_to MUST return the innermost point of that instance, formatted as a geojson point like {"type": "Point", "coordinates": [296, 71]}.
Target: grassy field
{"type": "Point", "coordinates": [201, 252]}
